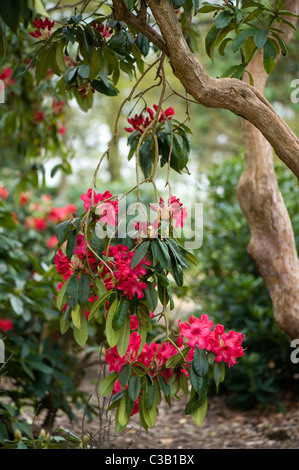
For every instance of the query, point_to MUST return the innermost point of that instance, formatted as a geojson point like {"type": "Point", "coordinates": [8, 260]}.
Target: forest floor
{"type": "Point", "coordinates": [223, 428]}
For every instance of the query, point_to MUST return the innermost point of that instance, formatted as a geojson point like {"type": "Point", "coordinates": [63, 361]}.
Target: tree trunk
{"type": "Point", "coordinates": [272, 242]}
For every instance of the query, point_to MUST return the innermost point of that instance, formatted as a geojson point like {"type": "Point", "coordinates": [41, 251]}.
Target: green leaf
{"type": "Point", "coordinates": [84, 71]}
{"type": "Point", "coordinates": [76, 316]}
{"type": "Point", "coordinates": [106, 386]}
{"type": "Point", "coordinates": [100, 86]}
{"type": "Point", "coordinates": [223, 45]}
{"type": "Point", "coordinates": [200, 362]}
{"type": "Point", "coordinates": [151, 296]}
{"type": "Point", "coordinates": [36, 363]}
{"type": "Point", "coordinates": [124, 375]}
{"type": "Point", "coordinates": [145, 157]}
{"type": "Point", "coordinates": [143, 44]}
{"type": "Point", "coordinates": [2, 38]}
{"type": "Point", "coordinates": [241, 38]}
{"type": "Point", "coordinates": [61, 296]}
{"type": "Point", "coordinates": [72, 292]}
{"type": "Point", "coordinates": [140, 253]}
{"type": "Point", "coordinates": [68, 34]}
{"type": "Point", "coordinates": [121, 313]}
{"type": "Point", "coordinates": [208, 8]}
{"type": "Point", "coordinates": [195, 6]}
{"type": "Point", "coordinates": [199, 414]}
{"type": "Point", "coordinates": [62, 230]}
{"type": "Point", "coordinates": [71, 244]}
{"type": "Point", "coordinates": [269, 56]}
{"type": "Point", "coordinates": [283, 46]}
{"type": "Point", "coordinates": [10, 13]}
{"type": "Point", "coordinates": [97, 304]}
{"type": "Point", "coordinates": [81, 335]}
{"type": "Point", "coordinates": [17, 304]}
{"type": "Point", "coordinates": [210, 41]}
{"type": "Point", "coordinates": [83, 289]}
{"type": "Point", "coordinates": [122, 415]}
{"type": "Point", "coordinates": [124, 338]}
{"type": "Point", "coordinates": [44, 61]}
{"type": "Point", "coordinates": [164, 386]}
{"type": "Point", "coordinates": [177, 272]}
{"type": "Point", "coordinates": [149, 414]}
{"type": "Point", "coordinates": [148, 392]}
{"type": "Point", "coordinates": [218, 373]}
{"type": "Point", "coordinates": [134, 387]}
{"type": "Point", "coordinates": [64, 324]}
{"type": "Point", "coordinates": [260, 38]}
{"type": "Point", "coordinates": [197, 382]}
{"type": "Point", "coordinates": [111, 334]}
{"type": "Point", "coordinates": [176, 251]}
{"type": "Point", "coordinates": [160, 254]}
{"type": "Point", "coordinates": [184, 384]}
{"type": "Point", "coordinates": [223, 19]}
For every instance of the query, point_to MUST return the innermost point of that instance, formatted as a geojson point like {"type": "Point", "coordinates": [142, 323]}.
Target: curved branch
{"type": "Point", "coordinates": [234, 95]}
{"type": "Point", "coordinates": [120, 13]}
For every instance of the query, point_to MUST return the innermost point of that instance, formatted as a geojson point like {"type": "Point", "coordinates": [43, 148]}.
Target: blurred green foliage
{"type": "Point", "coordinates": [229, 288]}
{"type": "Point", "coordinates": [43, 368]}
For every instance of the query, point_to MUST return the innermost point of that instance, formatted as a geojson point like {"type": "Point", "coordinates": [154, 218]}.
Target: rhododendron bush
{"type": "Point", "coordinates": [127, 284]}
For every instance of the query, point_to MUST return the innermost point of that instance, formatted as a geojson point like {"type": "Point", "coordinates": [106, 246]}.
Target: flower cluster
{"type": "Point", "coordinates": [198, 331]}
{"type": "Point", "coordinates": [6, 76]}
{"type": "Point", "coordinates": [55, 113]}
{"type": "Point", "coordinates": [140, 122]}
{"type": "Point", "coordinates": [3, 193]}
{"type": "Point", "coordinates": [6, 324]}
{"type": "Point", "coordinates": [173, 209]}
{"type": "Point", "coordinates": [153, 358]}
{"type": "Point", "coordinates": [44, 29]}
{"type": "Point", "coordinates": [102, 29]}
{"type": "Point", "coordinates": [76, 264]}
{"type": "Point", "coordinates": [106, 208]}
{"type": "Point", "coordinates": [125, 279]}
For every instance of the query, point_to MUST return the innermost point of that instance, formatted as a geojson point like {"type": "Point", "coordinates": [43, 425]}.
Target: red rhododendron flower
{"type": "Point", "coordinates": [36, 223]}
{"type": "Point", "coordinates": [229, 348]}
{"type": "Point", "coordinates": [124, 278]}
{"type": "Point", "coordinates": [198, 331]}
{"type": "Point", "coordinates": [52, 242]}
{"type": "Point", "coordinates": [68, 267]}
{"type": "Point", "coordinates": [107, 211]}
{"type": "Point", "coordinates": [104, 30]}
{"type": "Point", "coordinates": [3, 193]}
{"type": "Point", "coordinates": [174, 209]}
{"type": "Point", "coordinates": [43, 28]}
{"type": "Point", "coordinates": [6, 324]}
{"type": "Point", "coordinates": [57, 106]}
{"type": "Point", "coordinates": [6, 77]}
{"type": "Point", "coordinates": [38, 116]}
{"type": "Point", "coordinates": [140, 123]}
{"type": "Point", "coordinates": [59, 214]}
{"type": "Point", "coordinates": [23, 198]}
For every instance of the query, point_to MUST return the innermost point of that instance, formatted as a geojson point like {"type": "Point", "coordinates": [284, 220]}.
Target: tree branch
{"type": "Point", "coordinates": [234, 95]}
{"type": "Point", "coordinates": [120, 13]}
